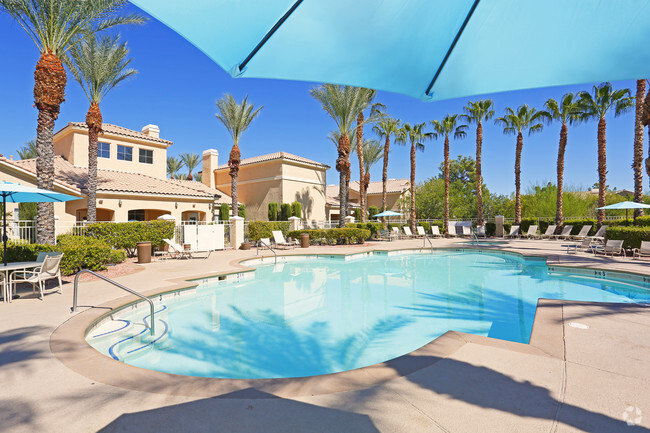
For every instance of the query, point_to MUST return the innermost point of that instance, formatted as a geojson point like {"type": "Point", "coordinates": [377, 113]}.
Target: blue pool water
{"type": "Point", "coordinates": [316, 316]}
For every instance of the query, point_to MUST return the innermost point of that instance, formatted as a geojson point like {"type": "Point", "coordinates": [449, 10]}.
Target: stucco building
{"type": "Point", "coordinates": [396, 189]}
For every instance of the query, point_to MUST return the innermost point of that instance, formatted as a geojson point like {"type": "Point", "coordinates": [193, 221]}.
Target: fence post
{"type": "Point", "coordinates": [349, 219]}
{"type": "Point", "coordinates": [499, 220]}
{"type": "Point", "coordinates": [294, 223]}
{"type": "Point", "coordinates": [236, 231]}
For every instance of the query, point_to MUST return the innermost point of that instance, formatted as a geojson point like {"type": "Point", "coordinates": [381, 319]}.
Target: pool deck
{"type": "Point", "coordinates": [568, 379]}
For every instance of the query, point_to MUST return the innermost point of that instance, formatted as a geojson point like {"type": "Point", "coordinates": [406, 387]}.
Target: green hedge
{"type": "Point", "coordinates": [577, 225]}
{"type": "Point", "coordinates": [631, 236]}
{"type": "Point", "coordinates": [372, 211]}
{"type": "Point", "coordinates": [224, 212]}
{"type": "Point", "coordinates": [346, 235]}
{"type": "Point", "coordinates": [241, 211]}
{"type": "Point", "coordinates": [296, 209]}
{"type": "Point", "coordinates": [285, 212]}
{"type": "Point", "coordinates": [374, 228]}
{"type": "Point", "coordinates": [264, 229]}
{"type": "Point", "coordinates": [125, 236]}
{"type": "Point", "coordinates": [273, 211]}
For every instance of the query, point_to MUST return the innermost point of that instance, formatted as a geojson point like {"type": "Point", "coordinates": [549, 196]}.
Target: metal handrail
{"type": "Point", "coordinates": [269, 247]}
{"type": "Point", "coordinates": [429, 240]}
{"type": "Point", "coordinates": [108, 280]}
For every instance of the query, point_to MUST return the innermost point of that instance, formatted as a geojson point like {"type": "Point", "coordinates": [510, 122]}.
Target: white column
{"type": "Point", "coordinates": [349, 219]}
{"type": "Point", "coordinates": [294, 223]}
{"type": "Point", "coordinates": [236, 231]}
{"type": "Point", "coordinates": [499, 220]}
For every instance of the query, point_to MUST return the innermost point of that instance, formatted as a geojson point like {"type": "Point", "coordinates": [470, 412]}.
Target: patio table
{"type": "Point", "coordinates": [14, 266]}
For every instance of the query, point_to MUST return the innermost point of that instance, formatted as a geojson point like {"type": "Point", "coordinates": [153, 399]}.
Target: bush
{"type": "Point", "coordinates": [631, 236]}
{"type": "Point", "coordinates": [346, 235]}
{"type": "Point", "coordinates": [357, 214]}
{"type": "Point", "coordinates": [116, 256]}
{"type": "Point", "coordinates": [241, 211]}
{"type": "Point", "coordinates": [273, 211]}
{"type": "Point", "coordinates": [125, 236]}
{"type": "Point", "coordinates": [224, 212]}
{"type": "Point", "coordinates": [296, 209]}
{"type": "Point", "coordinates": [285, 212]}
{"type": "Point", "coordinates": [372, 211]}
{"type": "Point", "coordinates": [373, 228]}
{"type": "Point", "coordinates": [264, 229]}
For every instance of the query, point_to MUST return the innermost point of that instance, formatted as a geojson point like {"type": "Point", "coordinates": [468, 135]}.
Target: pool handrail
{"type": "Point", "coordinates": [269, 247]}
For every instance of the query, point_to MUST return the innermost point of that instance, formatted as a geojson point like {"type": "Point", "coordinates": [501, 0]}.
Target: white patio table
{"type": "Point", "coordinates": [14, 266]}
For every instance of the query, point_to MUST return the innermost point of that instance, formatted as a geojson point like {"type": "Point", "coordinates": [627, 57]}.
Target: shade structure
{"type": "Point", "coordinates": [17, 193]}
{"type": "Point", "coordinates": [626, 205]}
{"type": "Point", "coordinates": [428, 49]}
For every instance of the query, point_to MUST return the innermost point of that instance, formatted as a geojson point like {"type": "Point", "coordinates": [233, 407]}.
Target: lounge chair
{"type": "Point", "coordinates": [421, 232]}
{"type": "Point", "coordinates": [280, 242]}
{"type": "Point", "coordinates": [600, 235]}
{"type": "Point", "coordinates": [584, 245]}
{"type": "Point", "coordinates": [644, 251]}
{"type": "Point", "coordinates": [514, 232]}
{"type": "Point", "coordinates": [394, 233]}
{"type": "Point", "coordinates": [435, 232]}
{"type": "Point", "coordinates": [176, 251]}
{"type": "Point", "coordinates": [50, 269]}
{"type": "Point", "coordinates": [613, 246]}
{"type": "Point", "coordinates": [264, 243]}
{"type": "Point", "coordinates": [531, 233]}
{"type": "Point", "coordinates": [549, 233]}
{"type": "Point", "coordinates": [408, 234]}
{"type": "Point", "coordinates": [480, 232]}
{"type": "Point", "coordinates": [466, 231]}
{"type": "Point", "coordinates": [584, 231]}
{"type": "Point", "coordinates": [566, 233]}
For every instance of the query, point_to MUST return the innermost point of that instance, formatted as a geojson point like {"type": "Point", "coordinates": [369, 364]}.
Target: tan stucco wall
{"type": "Point", "coordinates": [392, 201]}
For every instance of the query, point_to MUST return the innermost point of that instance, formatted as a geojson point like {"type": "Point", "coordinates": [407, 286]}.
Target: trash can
{"type": "Point", "coordinates": [144, 252]}
{"type": "Point", "coordinates": [304, 240]}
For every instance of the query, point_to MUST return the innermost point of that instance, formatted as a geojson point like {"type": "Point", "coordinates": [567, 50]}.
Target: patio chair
{"type": "Point", "coordinates": [176, 251]}
{"type": "Point", "coordinates": [584, 245]}
{"type": "Point", "coordinates": [613, 246]}
{"type": "Point", "coordinates": [584, 231]}
{"type": "Point", "coordinates": [480, 232]}
{"type": "Point", "coordinates": [394, 233]}
{"type": "Point", "coordinates": [421, 232]}
{"type": "Point", "coordinates": [514, 232]}
{"type": "Point", "coordinates": [280, 242]}
{"type": "Point", "coordinates": [644, 251]}
{"type": "Point", "coordinates": [566, 233]}
{"type": "Point", "coordinates": [435, 232]}
{"type": "Point", "coordinates": [550, 231]}
{"type": "Point", "coordinates": [600, 235]}
{"type": "Point", "coordinates": [466, 231]}
{"type": "Point", "coordinates": [50, 269]}
{"type": "Point", "coordinates": [407, 232]}
{"type": "Point", "coordinates": [531, 233]}
{"type": "Point", "coordinates": [384, 235]}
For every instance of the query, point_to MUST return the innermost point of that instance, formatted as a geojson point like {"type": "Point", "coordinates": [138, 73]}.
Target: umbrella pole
{"type": "Point", "coordinates": [4, 225]}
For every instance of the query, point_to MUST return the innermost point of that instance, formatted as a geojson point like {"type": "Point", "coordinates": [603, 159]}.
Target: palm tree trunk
{"type": "Point", "coordinates": [479, 176]}
{"type": "Point", "coordinates": [49, 93]}
{"type": "Point", "coordinates": [94, 123]}
{"type": "Point", "coordinates": [366, 182]}
{"type": "Point", "coordinates": [233, 162]}
{"type": "Point", "coordinates": [645, 121]}
{"type": "Point", "coordinates": [412, 222]}
{"type": "Point", "coordinates": [638, 146]}
{"type": "Point", "coordinates": [559, 216]}
{"type": "Point", "coordinates": [343, 167]}
{"type": "Point", "coordinates": [362, 195]}
{"type": "Point", "coordinates": [602, 168]}
{"type": "Point", "coordinates": [384, 177]}
{"type": "Point", "coordinates": [446, 217]}
{"type": "Point", "coordinates": [520, 145]}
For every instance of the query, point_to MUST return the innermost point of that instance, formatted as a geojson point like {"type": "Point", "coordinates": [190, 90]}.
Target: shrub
{"type": "Point", "coordinates": [273, 211]}
{"type": "Point", "coordinates": [372, 211]}
{"type": "Point", "coordinates": [242, 211]}
{"type": "Point", "coordinates": [296, 209]}
{"type": "Point", "coordinates": [264, 229]}
{"type": "Point", "coordinates": [631, 236]}
{"type": "Point", "coordinates": [224, 212]}
{"type": "Point", "coordinates": [126, 235]}
{"type": "Point", "coordinates": [285, 212]}
{"type": "Point", "coordinates": [82, 252]}
{"type": "Point", "coordinates": [357, 214]}
{"type": "Point", "coordinates": [116, 256]}
{"type": "Point", "coordinates": [373, 228]}
{"type": "Point", "coordinates": [346, 235]}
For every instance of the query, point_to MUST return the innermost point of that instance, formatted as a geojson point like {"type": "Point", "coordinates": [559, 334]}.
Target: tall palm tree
{"type": "Point", "coordinates": [368, 94]}
{"type": "Point", "coordinates": [448, 125]}
{"type": "Point", "coordinates": [566, 112]}
{"type": "Point", "coordinates": [54, 26]}
{"type": "Point", "coordinates": [236, 118]}
{"type": "Point", "coordinates": [637, 165]}
{"type": "Point", "coordinates": [343, 104]}
{"type": "Point", "coordinates": [372, 153]}
{"type": "Point", "coordinates": [98, 65]}
{"type": "Point", "coordinates": [28, 151]}
{"type": "Point", "coordinates": [385, 128]}
{"type": "Point", "coordinates": [174, 165]}
{"type": "Point", "coordinates": [415, 136]}
{"type": "Point", "coordinates": [514, 123]}
{"type": "Point", "coordinates": [479, 112]}
{"type": "Point", "coordinates": [190, 160]}
{"type": "Point", "coordinates": [597, 106]}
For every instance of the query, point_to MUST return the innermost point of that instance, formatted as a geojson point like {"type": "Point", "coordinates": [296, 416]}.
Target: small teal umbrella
{"type": "Point", "coordinates": [626, 205]}
{"type": "Point", "coordinates": [387, 213]}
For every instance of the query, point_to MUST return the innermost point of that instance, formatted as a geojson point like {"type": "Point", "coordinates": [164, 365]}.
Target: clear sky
{"type": "Point", "coordinates": [177, 87]}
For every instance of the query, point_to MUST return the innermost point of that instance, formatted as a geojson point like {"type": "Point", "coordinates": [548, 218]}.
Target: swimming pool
{"type": "Point", "coordinates": [315, 315]}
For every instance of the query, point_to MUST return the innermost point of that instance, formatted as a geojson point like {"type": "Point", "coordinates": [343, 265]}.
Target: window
{"type": "Point", "coordinates": [124, 153]}
{"type": "Point", "coordinates": [103, 150]}
{"type": "Point", "coordinates": [136, 215]}
{"type": "Point", "coordinates": [146, 156]}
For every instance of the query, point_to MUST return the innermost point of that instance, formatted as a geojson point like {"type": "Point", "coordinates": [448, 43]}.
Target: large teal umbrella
{"type": "Point", "coordinates": [428, 49]}
{"type": "Point", "coordinates": [626, 205]}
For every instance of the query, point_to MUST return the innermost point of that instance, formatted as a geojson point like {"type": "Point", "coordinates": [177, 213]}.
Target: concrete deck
{"type": "Point", "coordinates": [567, 379]}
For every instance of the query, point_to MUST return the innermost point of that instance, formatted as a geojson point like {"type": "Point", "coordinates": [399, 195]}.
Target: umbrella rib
{"type": "Point", "coordinates": [451, 47]}
{"type": "Point", "coordinates": [268, 35]}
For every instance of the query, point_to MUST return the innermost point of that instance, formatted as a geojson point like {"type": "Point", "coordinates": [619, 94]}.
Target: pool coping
{"type": "Point", "coordinates": [68, 344]}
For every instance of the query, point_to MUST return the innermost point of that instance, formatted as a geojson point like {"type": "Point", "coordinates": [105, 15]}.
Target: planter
{"type": "Point", "coordinates": [245, 246]}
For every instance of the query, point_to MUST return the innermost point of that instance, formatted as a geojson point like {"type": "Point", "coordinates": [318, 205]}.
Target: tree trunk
{"type": "Point", "coordinates": [343, 167]}
{"type": "Point", "coordinates": [49, 93]}
{"type": "Point", "coordinates": [94, 123]}
{"type": "Point", "coordinates": [520, 145]}
{"type": "Point", "coordinates": [234, 204]}
{"type": "Point", "coordinates": [602, 168]}
{"type": "Point", "coordinates": [559, 216]}
{"type": "Point", "coordinates": [645, 121]}
{"type": "Point", "coordinates": [362, 195]}
{"type": "Point", "coordinates": [412, 223]}
{"type": "Point", "coordinates": [637, 165]}
{"type": "Point", "coordinates": [233, 162]}
{"type": "Point", "coordinates": [384, 177]}
{"type": "Point", "coordinates": [366, 182]}
{"type": "Point", "coordinates": [479, 176]}
{"type": "Point", "coordinates": [446, 217]}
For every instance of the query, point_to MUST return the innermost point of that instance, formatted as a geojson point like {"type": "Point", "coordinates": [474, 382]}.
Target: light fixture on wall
{"type": "Point", "coordinates": [176, 205]}
{"type": "Point", "coordinates": [119, 203]}
{"type": "Point", "coordinates": [100, 201]}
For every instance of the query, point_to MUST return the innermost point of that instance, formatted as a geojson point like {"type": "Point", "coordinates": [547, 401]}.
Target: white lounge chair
{"type": "Point", "coordinates": [514, 232]}
{"type": "Point", "coordinates": [480, 232]}
{"type": "Point", "coordinates": [280, 242]}
{"type": "Point", "coordinates": [176, 251]}
{"type": "Point", "coordinates": [435, 232]}
{"type": "Point", "coordinates": [613, 246]}
{"type": "Point", "coordinates": [466, 231]}
{"type": "Point", "coordinates": [643, 251]}
{"type": "Point", "coordinates": [264, 243]}
{"type": "Point", "coordinates": [584, 245]}
{"type": "Point", "coordinates": [600, 235]}
{"type": "Point", "coordinates": [566, 233]}
{"type": "Point", "coordinates": [532, 232]}
{"type": "Point", "coordinates": [584, 231]}
{"type": "Point", "coordinates": [50, 269]}
{"type": "Point", "coordinates": [408, 234]}
{"type": "Point", "coordinates": [549, 233]}
{"type": "Point", "coordinates": [421, 232]}
{"type": "Point", "coordinates": [394, 233]}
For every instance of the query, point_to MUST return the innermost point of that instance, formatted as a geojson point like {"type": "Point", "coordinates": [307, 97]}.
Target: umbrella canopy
{"type": "Point", "coordinates": [17, 193]}
{"type": "Point", "coordinates": [428, 49]}
{"type": "Point", "coordinates": [626, 205]}
{"type": "Point", "coordinates": [166, 217]}
{"type": "Point", "coordinates": [387, 213]}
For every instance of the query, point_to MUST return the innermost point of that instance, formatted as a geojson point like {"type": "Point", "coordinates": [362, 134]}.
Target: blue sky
{"type": "Point", "coordinates": [177, 87]}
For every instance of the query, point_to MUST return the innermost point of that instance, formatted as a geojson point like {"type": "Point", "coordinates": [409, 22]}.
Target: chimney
{"type": "Point", "coordinates": [151, 131]}
{"type": "Point", "coordinates": [210, 164]}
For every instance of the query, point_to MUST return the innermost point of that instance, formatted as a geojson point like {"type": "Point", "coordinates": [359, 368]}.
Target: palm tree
{"type": "Point", "coordinates": [597, 106]}
{"type": "Point", "coordinates": [415, 135]}
{"type": "Point", "coordinates": [478, 112]}
{"type": "Point", "coordinates": [372, 152]}
{"type": "Point", "coordinates": [236, 118]}
{"type": "Point", "coordinates": [368, 94]}
{"type": "Point", "coordinates": [28, 151]}
{"type": "Point", "coordinates": [564, 111]}
{"type": "Point", "coordinates": [98, 65]}
{"type": "Point", "coordinates": [190, 160]}
{"type": "Point", "coordinates": [54, 26]}
{"type": "Point", "coordinates": [448, 125]}
{"type": "Point", "coordinates": [637, 165]}
{"type": "Point", "coordinates": [343, 104]}
{"type": "Point", "coordinates": [514, 123]}
{"type": "Point", "coordinates": [385, 128]}
{"type": "Point", "coordinates": [174, 165]}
